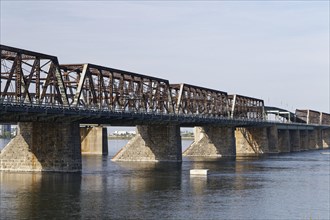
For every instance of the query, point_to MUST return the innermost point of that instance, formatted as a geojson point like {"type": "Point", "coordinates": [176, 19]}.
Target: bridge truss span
{"type": "Point", "coordinates": [195, 100]}
{"type": "Point", "coordinates": [91, 86]}
{"type": "Point", "coordinates": [30, 78]}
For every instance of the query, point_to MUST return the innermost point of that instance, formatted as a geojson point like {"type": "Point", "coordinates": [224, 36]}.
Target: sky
{"type": "Point", "coordinates": [277, 51]}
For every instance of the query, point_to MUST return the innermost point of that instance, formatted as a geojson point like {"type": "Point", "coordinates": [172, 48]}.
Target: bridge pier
{"type": "Point", "coordinates": [294, 140]}
{"type": "Point", "coordinates": [94, 140]}
{"type": "Point", "coordinates": [315, 139]}
{"type": "Point", "coordinates": [251, 141]}
{"type": "Point", "coordinates": [153, 143]}
{"type": "Point", "coordinates": [212, 141]}
{"type": "Point", "coordinates": [284, 141]}
{"type": "Point", "coordinates": [326, 138]}
{"type": "Point", "coordinates": [304, 140]}
{"type": "Point", "coordinates": [272, 134]}
{"type": "Point", "coordinates": [43, 147]}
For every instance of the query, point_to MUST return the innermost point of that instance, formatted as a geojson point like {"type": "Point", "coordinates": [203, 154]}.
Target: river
{"type": "Point", "coordinates": [286, 186]}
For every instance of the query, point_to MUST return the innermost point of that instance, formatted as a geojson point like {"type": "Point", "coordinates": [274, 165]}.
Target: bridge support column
{"type": "Point", "coordinates": [284, 141]}
{"type": "Point", "coordinates": [212, 141]}
{"type": "Point", "coordinates": [251, 141]}
{"type": "Point", "coordinates": [303, 140]}
{"type": "Point", "coordinates": [153, 143]}
{"type": "Point", "coordinates": [43, 147]}
{"type": "Point", "coordinates": [294, 140]}
{"type": "Point", "coordinates": [272, 134]}
{"type": "Point", "coordinates": [313, 142]}
{"type": "Point", "coordinates": [326, 138]}
{"type": "Point", "coordinates": [94, 140]}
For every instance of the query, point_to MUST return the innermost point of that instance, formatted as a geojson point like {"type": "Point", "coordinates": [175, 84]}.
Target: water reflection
{"type": "Point", "coordinates": [37, 195]}
{"type": "Point", "coordinates": [291, 186]}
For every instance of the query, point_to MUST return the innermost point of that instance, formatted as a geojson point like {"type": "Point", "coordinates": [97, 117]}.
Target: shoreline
{"type": "Point", "coordinates": [130, 137]}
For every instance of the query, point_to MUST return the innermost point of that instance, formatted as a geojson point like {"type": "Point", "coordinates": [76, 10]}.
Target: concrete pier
{"type": "Point", "coordinates": [212, 142]}
{"type": "Point", "coordinates": [326, 138]}
{"type": "Point", "coordinates": [284, 145]}
{"type": "Point", "coordinates": [153, 143]}
{"type": "Point", "coordinates": [294, 140]}
{"type": "Point", "coordinates": [304, 139]}
{"type": "Point", "coordinates": [251, 141]}
{"type": "Point", "coordinates": [43, 147]}
{"type": "Point", "coordinates": [272, 134]}
{"type": "Point", "coordinates": [94, 140]}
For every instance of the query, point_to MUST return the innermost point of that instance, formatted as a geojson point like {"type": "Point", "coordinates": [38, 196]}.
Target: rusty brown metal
{"type": "Point", "coordinates": [246, 107]}
{"type": "Point", "coordinates": [28, 77]}
{"type": "Point", "coordinates": [313, 117]}
{"type": "Point", "coordinates": [195, 100]}
{"type": "Point", "coordinates": [93, 86]}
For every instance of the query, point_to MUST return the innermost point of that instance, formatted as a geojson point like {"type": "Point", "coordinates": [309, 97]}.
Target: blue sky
{"type": "Point", "coordinates": [274, 50]}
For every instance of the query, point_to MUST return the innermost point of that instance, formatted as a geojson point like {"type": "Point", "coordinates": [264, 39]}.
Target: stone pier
{"type": "Point", "coordinates": [284, 141]}
{"type": "Point", "coordinates": [212, 142]}
{"type": "Point", "coordinates": [294, 140]}
{"type": "Point", "coordinates": [43, 147]}
{"type": "Point", "coordinates": [272, 134]}
{"type": "Point", "coordinates": [153, 143]}
{"type": "Point", "coordinates": [326, 138]}
{"type": "Point", "coordinates": [251, 141]}
{"type": "Point", "coordinates": [94, 140]}
{"type": "Point", "coordinates": [304, 139]}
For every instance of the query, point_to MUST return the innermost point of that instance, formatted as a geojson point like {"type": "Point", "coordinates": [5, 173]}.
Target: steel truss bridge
{"type": "Point", "coordinates": [35, 87]}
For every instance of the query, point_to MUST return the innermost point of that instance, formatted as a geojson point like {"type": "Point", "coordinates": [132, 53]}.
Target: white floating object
{"type": "Point", "coordinates": [202, 172]}
{"type": "Point", "coordinates": [325, 153]}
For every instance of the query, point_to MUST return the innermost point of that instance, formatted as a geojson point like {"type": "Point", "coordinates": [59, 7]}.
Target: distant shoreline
{"type": "Point", "coordinates": [130, 137]}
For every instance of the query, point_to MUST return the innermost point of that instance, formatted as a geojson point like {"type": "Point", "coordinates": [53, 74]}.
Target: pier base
{"type": "Point", "coordinates": [326, 138]}
{"type": "Point", "coordinates": [94, 140]}
{"type": "Point", "coordinates": [153, 143]}
{"type": "Point", "coordinates": [251, 141]}
{"type": "Point", "coordinates": [212, 142]}
{"type": "Point", "coordinates": [43, 147]}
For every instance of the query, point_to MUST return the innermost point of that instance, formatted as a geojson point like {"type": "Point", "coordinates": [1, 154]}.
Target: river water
{"type": "Point", "coordinates": [286, 186]}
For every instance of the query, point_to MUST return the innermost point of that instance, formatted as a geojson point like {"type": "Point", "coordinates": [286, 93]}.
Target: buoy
{"type": "Point", "coordinates": [200, 172]}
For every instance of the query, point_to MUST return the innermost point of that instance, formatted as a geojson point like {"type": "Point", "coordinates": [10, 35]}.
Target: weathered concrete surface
{"type": "Point", "coordinates": [94, 140]}
{"type": "Point", "coordinates": [251, 141]}
{"type": "Point", "coordinates": [326, 138]}
{"type": "Point", "coordinates": [284, 141]}
{"type": "Point", "coordinates": [212, 141]}
{"type": "Point", "coordinates": [272, 134]}
{"type": "Point", "coordinates": [43, 147]}
{"type": "Point", "coordinates": [315, 139]}
{"type": "Point", "coordinates": [304, 139]}
{"type": "Point", "coordinates": [153, 143]}
{"type": "Point", "coordinates": [294, 140]}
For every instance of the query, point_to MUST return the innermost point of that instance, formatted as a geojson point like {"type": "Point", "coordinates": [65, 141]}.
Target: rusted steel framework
{"type": "Point", "coordinates": [194, 100]}
{"type": "Point", "coordinates": [246, 107]}
{"type": "Point", "coordinates": [34, 79]}
{"type": "Point", "coordinates": [313, 117]}
{"type": "Point", "coordinates": [93, 86]}
{"type": "Point", "coordinates": [30, 78]}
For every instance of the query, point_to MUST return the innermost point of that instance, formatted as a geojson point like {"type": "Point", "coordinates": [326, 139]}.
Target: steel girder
{"type": "Point", "coordinates": [30, 78]}
{"type": "Point", "coordinates": [246, 107]}
{"type": "Point", "coordinates": [92, 86]}
{"type": "Point", "coordinates": [313, 117]}
{"type": "Point", "coordinates": [195, 100]}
